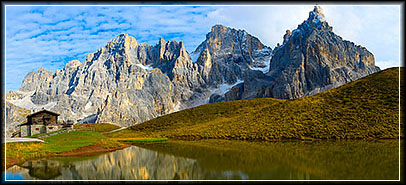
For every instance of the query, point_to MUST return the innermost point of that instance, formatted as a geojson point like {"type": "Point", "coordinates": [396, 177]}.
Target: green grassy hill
{"type": "Point", "coordinates": [365, 108]}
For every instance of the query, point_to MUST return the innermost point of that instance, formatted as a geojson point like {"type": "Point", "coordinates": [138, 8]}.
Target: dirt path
{"type": "Point", "coordinates": [20, 139]}
{"type": "Point", "coordinates": [122, 128]}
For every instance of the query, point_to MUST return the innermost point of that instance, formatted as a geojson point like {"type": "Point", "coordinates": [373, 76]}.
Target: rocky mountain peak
{"type": "Point", "coordinates": [316, 15]}
{"type": "Point", "coordinates": [168, 50]}
{"type": "Point", "coordinates": [182, 49]}
{"type": "Point", "coordinates": [162, 41]}
{"type": "Point", "coordinates": [218, 28]}
{"type": "Point", "coordinates": [41, 70]}
{"type": "Point", "coordinates": [120, 38]}
{"type": "Point", "coordinates": [123, 41]}
{"type": "Point", "coordinates": [220, 32]}
{"type": "Point", "coordinates": [72, 64]}
{"type": "Point", "coordinates": [315, 21]}
{"type": "Point", "coordinates": [35, 80]}
{"type": "Point", "coordinates": [286, 36]}
{"type": "Point", "coordinates": [311, 59]}
{"type": "Point", "coordinates": [223, 40]}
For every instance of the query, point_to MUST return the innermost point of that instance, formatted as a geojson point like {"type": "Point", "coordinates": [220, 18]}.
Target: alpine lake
{"type": "Point", "coordinates": [225, 160]}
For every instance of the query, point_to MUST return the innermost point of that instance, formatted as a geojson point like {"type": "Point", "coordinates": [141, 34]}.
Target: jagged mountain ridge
{"type": "Point", "coordinates": [311, 59]}
{"type": "Point", "coordinates": [126, 82]}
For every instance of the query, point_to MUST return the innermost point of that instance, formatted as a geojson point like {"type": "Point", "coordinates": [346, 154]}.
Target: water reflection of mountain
{"type": "Point", "coordinates": [38, 169]}
{"type": "Point", "coordinates": [43, 169]}
{"type": "Point", "coordinates": [133, 163]}
{"type": "Point", "coordinates": [214, 159]}
{"type": "Point", "coordinates": [130, 163]}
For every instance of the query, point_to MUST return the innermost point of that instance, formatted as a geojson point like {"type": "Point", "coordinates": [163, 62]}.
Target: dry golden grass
{"type": "Point", "coordinates": [25, 150]}
{"type": "Point", "coordinates": [95, 127]}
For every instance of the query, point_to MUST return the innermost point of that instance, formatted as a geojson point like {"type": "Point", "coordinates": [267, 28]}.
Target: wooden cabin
{"type": "Point", "coordinates": [43, 121]}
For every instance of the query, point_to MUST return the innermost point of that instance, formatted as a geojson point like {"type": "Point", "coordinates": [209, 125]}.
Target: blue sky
{"type": "Point", "coordinates": [51, 36]}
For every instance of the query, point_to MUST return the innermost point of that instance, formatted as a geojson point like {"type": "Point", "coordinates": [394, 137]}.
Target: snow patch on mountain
{"type": "Point", "coordinates": [145, 67]}
{"type": "Point", "coordinates": [25, 93]}
{"type": "Point", "coordinates": [262, 64]}
{"type": "Point", "coordinates": [89, 119]}
{"type": "Point", "coordinates": [88, 105]}
{"type": "Point", "coordinates": [26, 103]}
{"type": "Point", "coordinates": [224, 88]}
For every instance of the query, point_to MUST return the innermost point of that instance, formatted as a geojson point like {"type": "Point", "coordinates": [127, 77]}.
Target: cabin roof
{"type": "Point", "coordinates": [26, 123]}
{"type": "Point", "coordinates": [41, 111]}
{"type": "Point", "coordinates": [53, 124]}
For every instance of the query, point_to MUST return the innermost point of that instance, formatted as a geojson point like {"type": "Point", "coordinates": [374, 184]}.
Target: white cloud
{"type": "Point", "coordinates": [51, 36]}
{"type": "Point", "coordinates": [374, 27]}
{"type": "Point", "coordinates": [268, 23]}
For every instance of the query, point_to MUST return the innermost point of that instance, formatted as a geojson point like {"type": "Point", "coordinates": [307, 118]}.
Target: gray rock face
{"type": "Point", "coordinates": [14, 116]}
{"type": "Point", "coordinates": [310, 60]}
{"type": "Point", "coordinates": [38, 80]}
{"type": "Point", "coordinates": [228, 55]}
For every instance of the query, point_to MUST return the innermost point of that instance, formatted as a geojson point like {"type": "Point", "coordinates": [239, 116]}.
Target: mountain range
{"type": "Point", "coordinates": [127, 82]}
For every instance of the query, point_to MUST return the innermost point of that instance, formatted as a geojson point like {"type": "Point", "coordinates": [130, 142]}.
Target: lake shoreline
{"type": "Point", "coordinates": [97, 149]}
{"type": "Point", "coordinates": [82, 151]}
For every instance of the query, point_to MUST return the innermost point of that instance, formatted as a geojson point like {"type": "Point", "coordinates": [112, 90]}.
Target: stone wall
{"type": "Point", "coordinates": [24, 131]}
{"type": "Point", "coordinates": [37, 129]}
{"type": "Point", "coordinates": [52, 128]}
